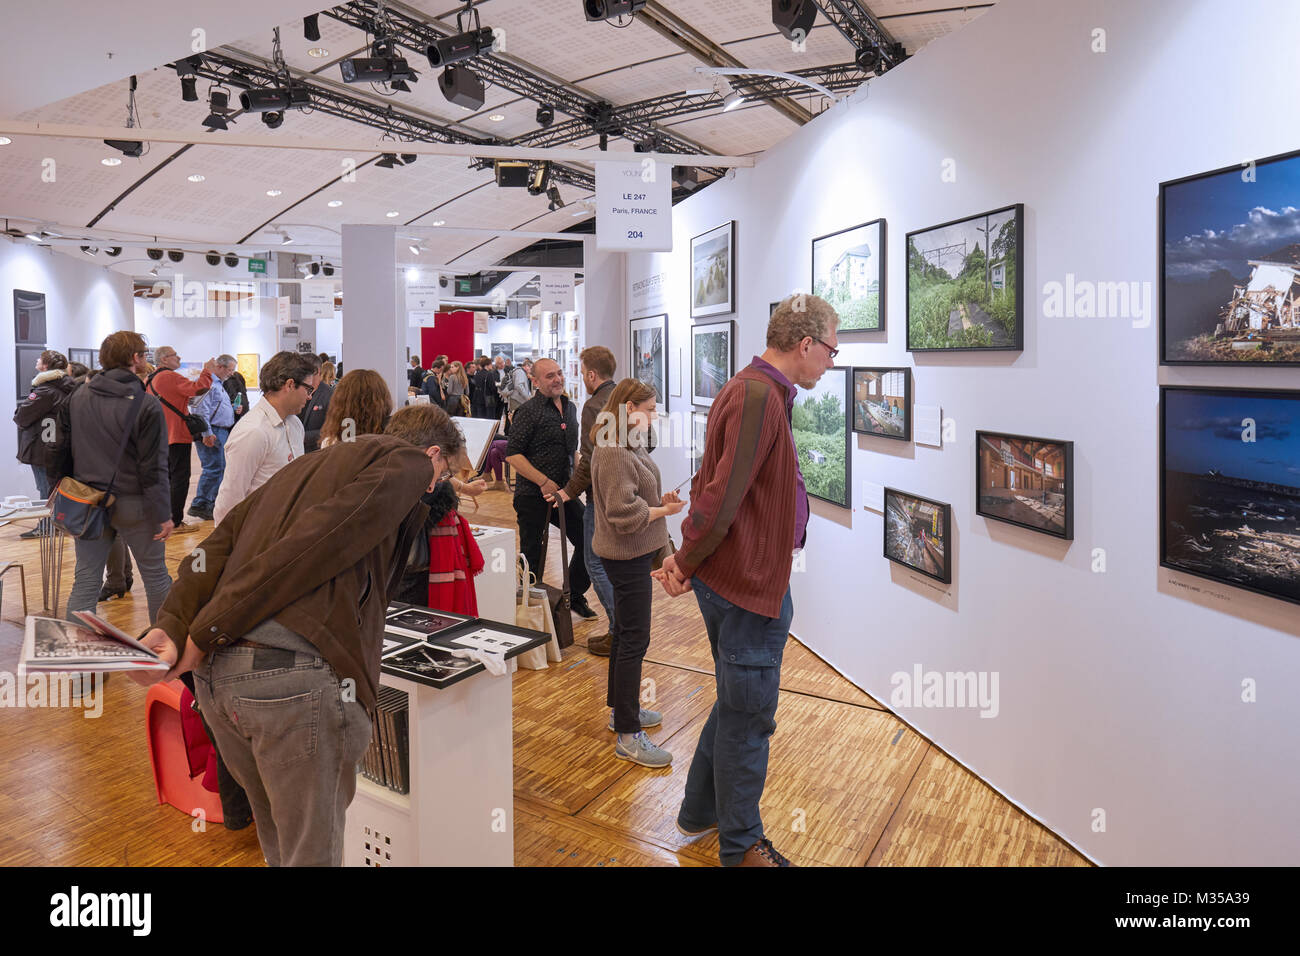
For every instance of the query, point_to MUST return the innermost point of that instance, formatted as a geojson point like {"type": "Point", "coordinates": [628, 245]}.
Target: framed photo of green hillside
{"type": "Point", "coordinates": [848, 271]}
{"type": "Point", "coordinates": [713, 359]}
{"type": "Point", "coordinates": [965, 284]}
{"type": "Point", "coordinates": [821, 437]}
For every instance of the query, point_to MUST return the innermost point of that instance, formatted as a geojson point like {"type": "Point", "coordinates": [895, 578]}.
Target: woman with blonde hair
{"type": "Point", "coordinates": [630, 509]}
{"type": "Point", "coordinates": [361, 404]}
{"type": "Point", "coordinates": [457, 385]}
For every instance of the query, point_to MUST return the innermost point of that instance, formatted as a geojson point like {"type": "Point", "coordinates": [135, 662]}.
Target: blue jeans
{"type": "Point", "coordinates": [596, 570]}
{"type": "Point", "coordinates": [42, 482]}
{"type": "Point", "coordinates": [213, 461]}
{"type": "Point", "coordinates": [132, 526]}
{"type": "Point", "coordinates": [730, 764]}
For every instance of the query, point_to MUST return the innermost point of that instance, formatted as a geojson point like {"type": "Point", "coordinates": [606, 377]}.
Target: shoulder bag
{"type": "Point", "coordinates": [78, 509]}
{"type": "Point", "coordinates": [195, 423]}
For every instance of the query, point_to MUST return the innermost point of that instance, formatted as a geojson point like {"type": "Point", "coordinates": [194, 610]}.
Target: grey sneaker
{"type": "Point", "coordinates": [648, 718]}
{"type": "Point", "coordinates": [642, 751]}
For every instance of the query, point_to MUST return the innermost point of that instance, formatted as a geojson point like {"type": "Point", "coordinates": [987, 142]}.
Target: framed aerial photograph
{"type": "Point", "coordinates": [1026, 481]}
{"type": "Point", "coordinates": [965, 284]}
{"type": "Point", "coordinates": [649, 338]}
{"type": "Point", "coordinates": [848, 271]}
{"type": "Point", "coordinates": [1230, 487]}
{"type": "Point", "coordinates": [504, 349]}
{"type": "Point", "coordinates": [882, 402]}
{"type": "Point", "coordinates": [699, 431]}
{"type": "Point", "coordinates": [713, 271]}
{"type": "Point", "coordinates": [821, 437]}
{"type": "Point", "coordinates": [29, 318]}
{"type": "Point", "coordinates": [87, 357]}
{"type": "Point", "coordinates": [713, 359]}
{"type": "Point", "coordinates": [918, 532]}
{"type": "Point", "coordinates": [1230, 265]}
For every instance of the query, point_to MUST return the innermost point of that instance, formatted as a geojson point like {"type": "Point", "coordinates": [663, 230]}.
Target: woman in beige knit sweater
{"type": "Point", "coordinates": [630, 530]}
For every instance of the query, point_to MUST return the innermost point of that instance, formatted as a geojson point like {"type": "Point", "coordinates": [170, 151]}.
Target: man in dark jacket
{"type": "Point", "coordinates": [50, 388]}
{"type": "Point", "coordinates": [280, 614]}
{"type": "Point", "coordinates": [237, 389]}
{"type": "Point", "coordinates": [101, 441]}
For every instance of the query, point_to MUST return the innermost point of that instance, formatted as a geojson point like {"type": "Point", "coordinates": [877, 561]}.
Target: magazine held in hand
{"type": "Point", "coordinates": [53, 645]}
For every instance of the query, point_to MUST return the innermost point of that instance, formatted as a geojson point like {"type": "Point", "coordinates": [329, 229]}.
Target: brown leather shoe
{"type": "Point", "coordinates": [599, 645]}
{"type": "Point", "coordinates": [763, 853]}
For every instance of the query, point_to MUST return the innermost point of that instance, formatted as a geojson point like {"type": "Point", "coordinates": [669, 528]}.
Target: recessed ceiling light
{"type": "Point", "coordinates": [440, 222]}
{"type": "Point", "coordinates": [196, 177]}
{"type": "Point", "coordinates": [334, 203]}
{"type": "Point", "coordinates": [273, 192]}
{"type": "Point", "coordinates": [319, 52]}
{"type": "Point", "coordinates": [111, 161]}
{"type": "Point", "coordinates": [5, 140]}
{"type": "Point", "coordinates": [497, 117]}
{"type": "Point", "coordinates": [392, 214]}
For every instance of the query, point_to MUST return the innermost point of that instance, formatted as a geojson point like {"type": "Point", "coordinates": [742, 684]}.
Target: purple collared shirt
{"type": "Point", "coordinates": [800, 492]}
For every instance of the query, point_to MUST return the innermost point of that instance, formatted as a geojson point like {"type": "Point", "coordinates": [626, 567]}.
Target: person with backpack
{"type": "Point", "coordinates": [174, 391]}
{"type": "Point", "coordinates": [50, 389]}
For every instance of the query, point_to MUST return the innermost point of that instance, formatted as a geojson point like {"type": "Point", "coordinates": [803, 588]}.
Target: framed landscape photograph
{"type": "Point", "coordinates": [848, 271]}
{"type": "Point", "coordinates": [1230, 487]}
{"type": "Point", "coordinates": [713, 359]}
{"type": "Point", "coordinates": [650, 354]}
{"type": "Point", "coordinates": [965, 284]}
{"type": "Point", "coordinates": [713, 271]}
{"type": "Point", "coordinates": [504, 349]}
{"type": "Point", "coordinates": [882, 402]}
{"type": "Point", "coordinates": [1230, 265]}
{"type": "Point", "coordinates": [1026, 481]}
{"type": "Point", "coordinates": [917, 534]}
{"type": "Point", "coordinates": [87, 357]}
{"type": "Point", "coordinates": [821, 437]}
{"type": "Point", "coordinates": [699, 428]}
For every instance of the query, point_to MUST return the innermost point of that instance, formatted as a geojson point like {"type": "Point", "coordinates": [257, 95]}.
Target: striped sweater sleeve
{"type": "Point", "coordinates": [738, 442]}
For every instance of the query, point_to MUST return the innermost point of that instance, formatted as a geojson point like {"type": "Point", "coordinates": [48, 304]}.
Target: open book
{"type": "Point", "coordinates": [53, 645]}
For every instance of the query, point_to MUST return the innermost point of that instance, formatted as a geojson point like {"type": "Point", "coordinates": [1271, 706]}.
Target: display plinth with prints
{"type": "Point", "coordinates": [459, 735]}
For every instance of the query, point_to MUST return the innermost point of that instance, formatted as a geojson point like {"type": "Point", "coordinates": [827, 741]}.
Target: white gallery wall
{"type": "Point", "coordinates": [1120, 722]}
{"type": "Point", "coordinates": [83, 304]}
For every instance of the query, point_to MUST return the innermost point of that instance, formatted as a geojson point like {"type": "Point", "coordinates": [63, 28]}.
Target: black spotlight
{"type": "Point", "coordinates": [409, 158]}
{"type": "Point", "coordinates": [545, 116]}
{"type": "Point", "coordinates": [127, 147]}
{"type": "Point", "coordinates": [218, 110]}
{"type": "Point", "coordinates": [274, 119]}
{"type": "Point", "coordinates": [232, 260]}
{"type": "Point", "coordinates": [154, 254]}
{"type": "Point", "coordinates": [189, 91]}
{"type": "Point", "coordinates": [461, 87]}
{"type": "Point", "coordinates": [311, 27]}
{"type": "Point", "coordinates": [609, 9]}
{"type": "Point", "coordinates": [553, 194]}
{"type": "Point", "coordinates": [327, 269]}
{"type": "Point", "coordinates": [868, 59]}
{"type": "Point", "coordinates": [175, 255]}
{"type": "Point", "coordinates": [113, 251]}
{"type": "Point", "coordinates": [264, 99]}
{"type": "Point", "coordinates": [376, 69]}
{"type": "Point", "coordinates": [794, 18]}
{"type": "Point", "coordinates": [604, 142]}
{"type": "Point", "coordinates": [388, 161]}
{"type": "Point", "coordinates": [213, 258]}
{"type": "Point", "coordinates": [88, 250]}
{"type": "Point", "coordinates": [463, 46]}
{"type": "Point", "coordinates": [314, 268]}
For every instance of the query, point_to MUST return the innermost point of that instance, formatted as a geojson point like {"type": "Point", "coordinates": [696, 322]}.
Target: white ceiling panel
{"type": "Point", "coordinates": [744, 130]}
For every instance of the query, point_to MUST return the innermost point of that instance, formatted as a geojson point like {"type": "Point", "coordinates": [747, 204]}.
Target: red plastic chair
{"type": "Point", "coordinates": [171, 765]}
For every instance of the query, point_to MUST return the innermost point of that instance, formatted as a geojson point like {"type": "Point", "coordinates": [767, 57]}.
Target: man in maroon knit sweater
{"type": "Point", "coordinates": [749, 512]}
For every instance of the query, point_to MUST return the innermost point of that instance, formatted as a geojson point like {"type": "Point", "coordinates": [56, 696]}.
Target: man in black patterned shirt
{"type": "Point", "coordinates": [543, 441]}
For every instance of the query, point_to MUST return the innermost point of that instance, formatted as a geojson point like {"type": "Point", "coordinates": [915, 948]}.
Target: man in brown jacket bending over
{"type": "Point", "coordinates": [280, 614]}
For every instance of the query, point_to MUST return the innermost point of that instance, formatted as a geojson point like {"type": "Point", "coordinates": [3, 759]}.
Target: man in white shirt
{"type": "Point", "coordinates": [271, 434]}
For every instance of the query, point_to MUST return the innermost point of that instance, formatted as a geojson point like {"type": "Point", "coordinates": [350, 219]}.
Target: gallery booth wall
{"type": "Point", "coordinates": [1121, 719]}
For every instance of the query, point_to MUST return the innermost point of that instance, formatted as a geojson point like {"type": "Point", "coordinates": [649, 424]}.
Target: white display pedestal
{"type": "Point", "coordinates": [495, 585]}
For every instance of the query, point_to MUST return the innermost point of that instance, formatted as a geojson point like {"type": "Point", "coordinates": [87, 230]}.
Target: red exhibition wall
{"type": "Point", "coordinates": [452, 335]}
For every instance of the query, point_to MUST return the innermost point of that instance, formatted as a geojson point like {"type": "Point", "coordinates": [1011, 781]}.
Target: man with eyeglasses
{"type": "Point", "coordinates": [174, 391]}
{"type": "Point", "coordinates": [749, 513]}
{"type": "Point", "coordinates": [271, 434]}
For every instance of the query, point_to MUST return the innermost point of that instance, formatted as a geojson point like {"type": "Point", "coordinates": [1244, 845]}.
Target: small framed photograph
{"type": "Point", "coordinates": [882, 402]}
{"type": "Point", "coordinates": [650, 354]}
{"type": "Point", "coordinates": [917, 534]}
{"type": "Point", "coordinates": [1026, 481]}
{"type": "Point", "coordinates": [848, 271]}
{"type": "Point", "coordinates": [713, 271]}
{"type": "Point", "coordinates": [713, 359]}
{"type": "Point", "coordinates": [821, 437]}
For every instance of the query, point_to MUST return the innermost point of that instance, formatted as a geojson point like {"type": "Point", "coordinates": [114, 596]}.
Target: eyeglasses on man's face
{"type": "Point", "coordinates": [310, 388]}
{"type": "Point", "coordinates": [833, 352]}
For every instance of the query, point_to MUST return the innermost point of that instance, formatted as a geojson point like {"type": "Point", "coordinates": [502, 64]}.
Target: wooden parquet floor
{"type": "Point", "coordinates": [849, 784]}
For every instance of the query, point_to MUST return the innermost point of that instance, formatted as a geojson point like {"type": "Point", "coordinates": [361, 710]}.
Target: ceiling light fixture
{"type": "Point", "coordinates": [5, 140]}
{"type": "Point", "coordinates": [497, 117]}
{"type": "Point", "coordinates": [392, 214]}
{"type": "Point", "coordinates": [231, 259]}
{"type": "Point", "coordinates": [129, 147]}
{"type": "Point", "coordinates": [196, 177]}
{"type": "Point", "coordinates": [287, 240]}
{"type": "Point", "coordinates": [175, 255]}
{"type": "Point", "coordinates": [273, 119]}
{"type": "Point", "coordinates": [114, 251]}
{"type": "Point", "coordinates": [273, 192]}
{"type": "Point", "coordinates": [388, 161]}
{"type": "Point", "coordinates": [416, 249]}
{"type": "Point", "coordinates": [111, 161]}
{"type": "Point", "coordinates": [545, 116]}
{"type": "Point", "coordinates": [610, 9]}
{"type": "Point", "coordinates": [334, 203]}
{"type": "Point", "coordinates": [318, 52]}
{"type": "Point", "coordinates": [213, 258]}
{"type": "Point", "coordinates": [311, 27]}
{"type": "Point", "coordinates": [189, 89]}
{"type": "Point", "coordinates": [440, 222]}
{"type": "Point", "coordinates": [462, 87]}
{"type": "Point", "coordinates": [553, 194]}
{"type": "Point", "coordinates": [90, 251]}
{"type": "Point", "coordinates": [218, 109]}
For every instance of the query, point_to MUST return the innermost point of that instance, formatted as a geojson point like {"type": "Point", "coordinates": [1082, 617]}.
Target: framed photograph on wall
{"type": "Point", "coordinates": [649, 338]}
{"type": "Point", "coordinates": [918, 534]}
{"type": "Point", "coordinates": [965, 284]}
{"type": "Point", "coordinates": [713, 271]}
{"type": "Point", "coordinates": [882, 402]}
{"type": "Point", "coordinates": [87, 357]}
{"type": "Point", "coordinates": [1230, 266]}
{"type": "Point", "coordinates": [713, 359]}
{"type": "Point", "coordinates": [29, 318]}
{"type": "Point", "coordinates": [1026, 481]}
{"type": "Point", "coordinates": [1230, 487]}
{"type": "Point", "coordinates": [247, 364]}
{"type": "Point", "coordinates": [25, 367]}
{"type": "Point", "coordinates": [848, 271]}
{"type": "Point", "coordinates": [699, 430]}
{"type": "Point", "coordinates": [821, 437]}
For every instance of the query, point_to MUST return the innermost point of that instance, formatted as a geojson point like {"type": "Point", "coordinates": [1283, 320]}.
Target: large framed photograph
{"type": "Point", "coordinates": [29, 318]}
{"type": "Point", "coordinates": [965, 284]}
{"type": "Point", "coordinates": [713, 359]}
{"type": "Point", "coordinates": [1026, 481]}
{"type": "Point", "coordinates": [1230, 487]}
{"type": "Point", "coordinates": [848, 271]}
{"type": "Point", "coordinates": [1230, 265]}
{"type": "Point", "coordinates": [882, 402]}
{"type": "Point", "coordinates": [713, 271]}
{"type": "Point", "coordinates": [821, 437]}
{"type": "Point", "coordinates": [649, 354]}
{"type": "Point", "coordinates": [918, 532]}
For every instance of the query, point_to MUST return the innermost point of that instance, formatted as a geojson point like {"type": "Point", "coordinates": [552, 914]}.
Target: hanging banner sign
{"type": "Point", "coordinates": [318, 300]}
{"type": "Point", "coordinates": [481, 322]}
{"type": "Point", "coordinates": [557, 291]}
{"type": "Point", "coordinates": [422, 292]}
{"type": "Point", "coordinates": [634, 206]}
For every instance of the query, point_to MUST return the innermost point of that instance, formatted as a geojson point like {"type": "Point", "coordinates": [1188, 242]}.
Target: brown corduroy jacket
{"type": "Point", "coordinates": [319, 548]}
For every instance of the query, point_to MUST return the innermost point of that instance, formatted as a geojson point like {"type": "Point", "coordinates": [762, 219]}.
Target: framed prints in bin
{"type": "Point", "coordinates": [882, 402]}
{"type": "Point", "coordinates": [650, 354]}
{"type": "Point", "coordinates": [1230, 266]}
{"type": "Point", "coordinates": [821, 437]}
{"type": "Point", "coordinates": [87, 357]}
{"type": "Point", "coordinates": [1026, 481]}
{"type": "Point", "coordinates": [713, 271]}
{"type": "Point", "coordinates": [29, 318]}
{"type": "Point", "coordinates": [918, 534]}
{"type": "Point", "coordinates": [848, 271]}
{"type": "Point", "coordinates": [713, 359]}
{"type": "Point", "coordinates": [1230, 487]}
{"type": "Point", "coordinates": [965, 284]}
